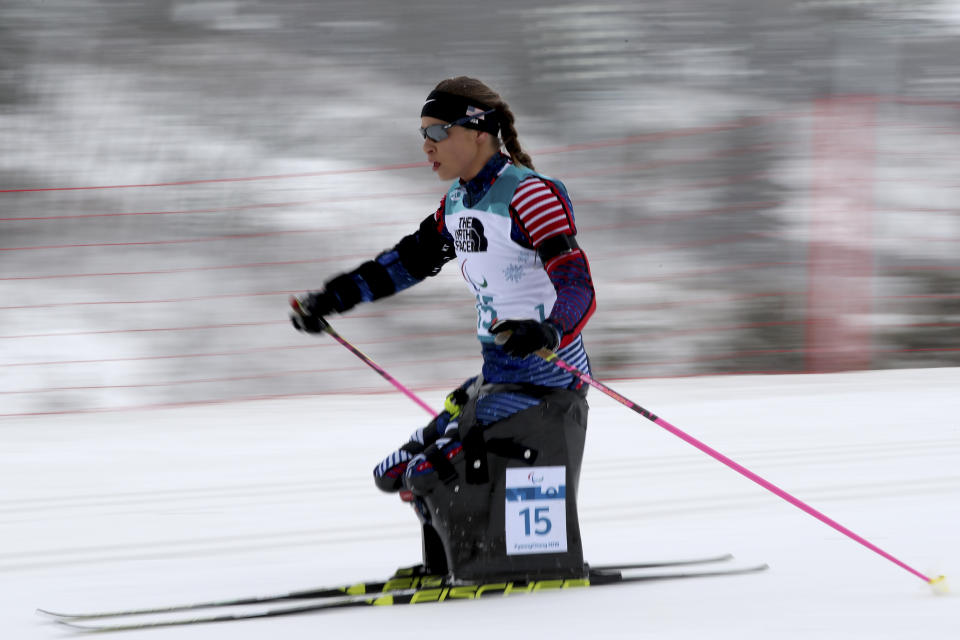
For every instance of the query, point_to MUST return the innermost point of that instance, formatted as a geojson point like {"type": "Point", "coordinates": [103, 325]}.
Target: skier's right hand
{"type": "Point", "coordinates": [308, 309]}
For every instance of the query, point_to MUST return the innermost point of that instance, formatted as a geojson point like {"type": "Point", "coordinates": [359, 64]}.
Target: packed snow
{"type": "Point", "coordinates": [126, 508]}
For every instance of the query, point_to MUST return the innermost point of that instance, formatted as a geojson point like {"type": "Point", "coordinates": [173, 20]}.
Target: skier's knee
{"type": "Point", "coordinates": [435, 465]}
{"type": "Point", "coordinates": [389, 474]}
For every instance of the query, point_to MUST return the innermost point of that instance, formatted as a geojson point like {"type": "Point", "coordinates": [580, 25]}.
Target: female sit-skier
{"type": "Point", "coordinates": [494, 476]}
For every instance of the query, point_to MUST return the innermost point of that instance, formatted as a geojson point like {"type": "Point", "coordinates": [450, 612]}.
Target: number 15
{"type": "Point", "coordinates": [539, 517]}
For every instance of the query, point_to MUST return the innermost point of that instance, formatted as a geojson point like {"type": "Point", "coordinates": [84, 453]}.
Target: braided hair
{"type": "Point", "coordinates": [473, 88]}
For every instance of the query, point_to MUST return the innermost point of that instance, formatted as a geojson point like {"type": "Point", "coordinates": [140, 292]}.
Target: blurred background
{"type": "Point", "coordinates": [761, 186]}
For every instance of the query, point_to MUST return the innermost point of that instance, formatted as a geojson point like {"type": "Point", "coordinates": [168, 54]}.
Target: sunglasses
{"type": "Point", "coordinates": [438, 132]}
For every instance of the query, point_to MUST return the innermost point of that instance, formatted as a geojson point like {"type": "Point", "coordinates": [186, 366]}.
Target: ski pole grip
{"type": "Point", "coordinates": [297, 305]}
{"type": "Point", "coordinates": [502, 337]}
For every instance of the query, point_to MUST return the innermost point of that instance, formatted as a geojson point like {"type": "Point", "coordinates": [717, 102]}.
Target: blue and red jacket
{"type": "Point", "coordinates": [513, 232]}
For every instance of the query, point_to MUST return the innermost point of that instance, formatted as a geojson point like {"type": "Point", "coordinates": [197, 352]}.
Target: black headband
{"type": "Point", "coordinates": [450, 107]}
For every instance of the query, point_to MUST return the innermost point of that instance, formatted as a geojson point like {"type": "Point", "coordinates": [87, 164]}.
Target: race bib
{"type": "Point", "coordinates": [536, 510]}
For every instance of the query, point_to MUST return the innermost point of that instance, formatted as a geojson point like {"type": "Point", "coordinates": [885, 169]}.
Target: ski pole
{"type": "Point", "coordinates": [373, 365]}
{"type": "Point", "coordinates": [938, 583]}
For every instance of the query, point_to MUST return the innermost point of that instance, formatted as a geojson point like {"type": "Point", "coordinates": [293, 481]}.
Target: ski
{"type": "Point", "coordinates": [442, 592]}
{"type": "Point", "coordinates": [359, 588]}
{"type": "Point", "coordinates": [403, 579]}
{"type": "Point", "coordinates": [663, 564]}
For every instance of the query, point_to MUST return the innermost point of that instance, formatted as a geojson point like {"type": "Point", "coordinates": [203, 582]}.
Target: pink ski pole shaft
{"type": "Point", "coordinates": [373, 365]}
{"type": "Point", "coordinates": [549, 356]}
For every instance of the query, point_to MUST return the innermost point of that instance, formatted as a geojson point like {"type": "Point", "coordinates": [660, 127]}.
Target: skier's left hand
{"type": "Point", "coordinates": [520, 338]}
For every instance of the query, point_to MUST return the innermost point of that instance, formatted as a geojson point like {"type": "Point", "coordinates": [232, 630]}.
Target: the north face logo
{"type": "Point", "coordinates": [469, 237]}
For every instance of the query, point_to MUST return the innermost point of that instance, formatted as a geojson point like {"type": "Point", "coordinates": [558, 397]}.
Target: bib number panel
{"type": "Point", "coordinates": [536, 510]}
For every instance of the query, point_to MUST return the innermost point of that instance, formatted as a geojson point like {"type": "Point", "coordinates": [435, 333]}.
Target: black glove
{"type": "Point", "coordinates": [339, 294]}
{"type": "Point", "coordinates": [308, 309]}
{"type": "Point", "coordinates": [520, 338]}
